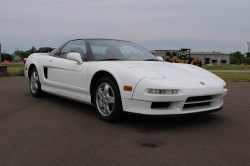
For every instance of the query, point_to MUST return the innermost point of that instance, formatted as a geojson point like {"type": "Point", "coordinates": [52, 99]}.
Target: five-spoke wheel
{"type": "Point", "coordinates": [107, 99]}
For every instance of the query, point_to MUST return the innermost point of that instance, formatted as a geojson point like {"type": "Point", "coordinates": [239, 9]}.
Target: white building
{"type": "Point", "coordinates": [207, 57]}
{"type": "Point", "coordinates": [212, 57]}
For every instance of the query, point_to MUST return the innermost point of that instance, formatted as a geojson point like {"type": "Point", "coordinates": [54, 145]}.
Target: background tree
{"type": "Point", "coordinates": [44, 49]}
{"type": "Point", "coordinates": [237, 55]}
{"type": "Point", "coordinates": [236, 58]}
{"type": "Point", "coordinates": [6, 57]}
{"type": "Point", "coordinates": [23, 54]}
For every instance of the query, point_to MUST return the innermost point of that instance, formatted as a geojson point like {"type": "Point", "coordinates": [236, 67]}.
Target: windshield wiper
{"type": "Point", "coordinates": [151, 60]}
{"type": "Point", "coordinates": [110, 59]}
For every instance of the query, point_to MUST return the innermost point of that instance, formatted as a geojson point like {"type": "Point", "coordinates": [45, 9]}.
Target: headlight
{"type": "Point", "coordinates": [163, 91]}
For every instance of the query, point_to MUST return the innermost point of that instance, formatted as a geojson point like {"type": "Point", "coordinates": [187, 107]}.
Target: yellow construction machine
{"type": "Point", "coordinates": [183, 56]}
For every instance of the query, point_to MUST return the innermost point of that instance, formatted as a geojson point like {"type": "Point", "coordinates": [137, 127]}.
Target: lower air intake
{"type": "Point", "coordinates": [198, 98]}
{"type": "Point", "coordinates": [160, 104]}
{"type": "Point", "coordinates": [196, 105]}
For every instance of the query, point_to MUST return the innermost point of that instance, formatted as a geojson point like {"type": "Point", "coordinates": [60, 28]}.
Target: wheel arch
{"type": "Point", "coordinates": [94, 80]}
{"type": "Point", "coordinates": [30, 68]}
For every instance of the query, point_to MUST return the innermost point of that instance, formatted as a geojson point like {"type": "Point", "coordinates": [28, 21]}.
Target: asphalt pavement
{"type": "Point", "coordinates": [57, 131]}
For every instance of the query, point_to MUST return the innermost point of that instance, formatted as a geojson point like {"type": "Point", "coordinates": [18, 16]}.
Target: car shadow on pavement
{"type": "Point", "coordinates": [169, 122]}
{"type": "Point", "coordinates": [71, 104]}
{"type": "Point", "coordinates": [139, 121]}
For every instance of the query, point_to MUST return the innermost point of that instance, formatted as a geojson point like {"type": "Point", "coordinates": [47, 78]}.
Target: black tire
{"type": "Point", "coordinates": [108, 111]}
{"type": "Point", "coordinates": [200, 64]}
{"type": "Point", "coordinates": [35, 85]}
{"type": "Point", "coordinates": [190, 60]}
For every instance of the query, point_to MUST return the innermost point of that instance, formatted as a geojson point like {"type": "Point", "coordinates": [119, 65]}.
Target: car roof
{"type": "Point", "coordinates": [98, 39]}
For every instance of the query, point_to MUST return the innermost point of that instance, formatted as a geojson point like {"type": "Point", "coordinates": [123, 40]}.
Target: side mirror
{"type": "Point", "coordinates": [159, 57]}
{"type": "Point", "coordinates": [75, 56]}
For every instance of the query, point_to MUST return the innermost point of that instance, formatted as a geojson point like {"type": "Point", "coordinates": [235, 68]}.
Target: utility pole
{"type": "Point", "coordinates": [3, 55]}
{"type": "Point", "coordinates": [248, 46]}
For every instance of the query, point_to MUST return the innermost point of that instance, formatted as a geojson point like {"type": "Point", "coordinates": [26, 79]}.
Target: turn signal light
{"type": "Point", "coordinates": [127, 88]}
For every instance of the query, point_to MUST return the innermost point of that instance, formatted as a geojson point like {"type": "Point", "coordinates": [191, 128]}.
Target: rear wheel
{"type": "Point", "coordinates": [35, 85]}
{"type": "Point", "coordinates": [107, 101]}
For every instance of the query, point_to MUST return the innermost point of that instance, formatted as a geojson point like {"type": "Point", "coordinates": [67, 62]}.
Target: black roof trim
{"type": "Point", "coordinates": [99, 39]}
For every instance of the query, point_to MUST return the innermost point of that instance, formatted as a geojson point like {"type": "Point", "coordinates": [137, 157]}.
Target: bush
{"type": "Point", "coordinates": [21, 72]}
{"type": "Point", "coordinates": [15, 72]}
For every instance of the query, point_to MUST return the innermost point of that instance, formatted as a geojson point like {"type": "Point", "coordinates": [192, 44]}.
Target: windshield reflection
{"type": "Point", "coordinates": [119, 50]}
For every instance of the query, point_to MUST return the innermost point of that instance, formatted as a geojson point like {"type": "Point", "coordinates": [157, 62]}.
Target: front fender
{"type": "Point", "coordinates": [123, 76]}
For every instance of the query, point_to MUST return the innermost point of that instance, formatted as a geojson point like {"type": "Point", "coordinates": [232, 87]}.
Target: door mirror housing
{"type": "Point", "coordinates": [75, 56]}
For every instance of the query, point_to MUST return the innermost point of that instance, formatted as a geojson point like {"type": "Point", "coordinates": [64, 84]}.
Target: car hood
{"type": "Point", "coordinates": [164, 69]}
{"type": "Point", "coordinates": [179, 72]}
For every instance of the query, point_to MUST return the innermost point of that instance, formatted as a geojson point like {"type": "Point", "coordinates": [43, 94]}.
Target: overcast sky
{"type": "Point", "coordinates": [214, 25]}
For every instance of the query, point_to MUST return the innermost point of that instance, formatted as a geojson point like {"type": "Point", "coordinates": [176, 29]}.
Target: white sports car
{"type": "Point", "coordinates": [117, 76]}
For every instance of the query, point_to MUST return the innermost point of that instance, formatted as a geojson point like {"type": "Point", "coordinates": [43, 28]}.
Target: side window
{"type": "Point", "coordinates": [74, 46]}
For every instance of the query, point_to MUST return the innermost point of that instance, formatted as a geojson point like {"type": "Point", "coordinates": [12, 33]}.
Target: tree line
{"type": "Point", "coordinates": [238, 58]}
{"type": "Point", "coordinates": [25, 54]}
{"type": "Point", "coordinates": [235, 57]}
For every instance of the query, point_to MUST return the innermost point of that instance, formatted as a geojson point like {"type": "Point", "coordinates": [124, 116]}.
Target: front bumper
{"type": "Point", "coordinates": [144, 107]}
{"type": "Point", "coordinates": [176, 107]}
{"type": "Point", "coordinates": [207, 97]}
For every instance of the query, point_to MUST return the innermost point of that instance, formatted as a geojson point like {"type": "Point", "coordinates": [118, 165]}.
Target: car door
{"type": "Point", "coordinates": [68, 78]}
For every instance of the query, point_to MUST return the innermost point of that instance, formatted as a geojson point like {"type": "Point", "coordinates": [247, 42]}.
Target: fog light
{"type": "Point", "coordinates": [163, 91]}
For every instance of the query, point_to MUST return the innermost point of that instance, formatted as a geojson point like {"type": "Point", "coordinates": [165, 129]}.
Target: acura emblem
{"type": "Point", "coordinates": [202, 83]}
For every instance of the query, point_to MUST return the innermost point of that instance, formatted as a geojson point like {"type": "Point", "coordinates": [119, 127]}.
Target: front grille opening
{"type": "Point", "coordinates": [199, 98]}
{"type": "Point", "coordinates": [196, 105]}
{"type": "Point", "coordinates": [160, 104]}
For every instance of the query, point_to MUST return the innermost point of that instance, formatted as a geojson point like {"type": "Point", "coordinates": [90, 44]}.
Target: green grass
{"type": "Point", "coordinates": [236, 77]}
{"type": "Point", "coordinates": [15, 72]}
{"type": "Point", "coordinates": [226, 67]}
{"type": "Point", "coordinates": [13, 64]}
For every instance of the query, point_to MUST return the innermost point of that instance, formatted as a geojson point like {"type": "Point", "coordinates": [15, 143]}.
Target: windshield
{"type": "Point", "coordinates": [119, 50]}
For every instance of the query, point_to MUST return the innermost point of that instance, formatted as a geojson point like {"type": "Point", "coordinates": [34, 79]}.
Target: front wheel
{"type": "Point", "coordinates": [108, 103]}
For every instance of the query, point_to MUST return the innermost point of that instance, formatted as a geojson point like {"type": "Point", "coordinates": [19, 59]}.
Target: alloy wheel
{"type": "Point", "coordinates": [105, 99]}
